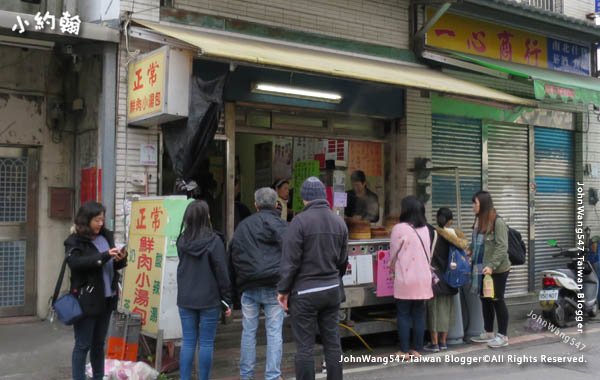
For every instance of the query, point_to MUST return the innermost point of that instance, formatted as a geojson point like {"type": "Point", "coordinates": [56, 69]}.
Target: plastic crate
{"type": "Point", "coordinates": [123, 336]}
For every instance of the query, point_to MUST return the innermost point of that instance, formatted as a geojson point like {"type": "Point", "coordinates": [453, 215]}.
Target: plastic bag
{"type": "Point", "coordinates": [122, 370]}
{"type": "Point", "coordinates": [488, 286]}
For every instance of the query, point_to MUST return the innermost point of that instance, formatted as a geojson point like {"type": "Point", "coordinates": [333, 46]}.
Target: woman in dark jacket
{"type": "Point", "coordinates": [94, 262]}
{"type": "Point", "coordinates": [440, 309]}
{"type": "Point", "coordinates": [202, 288]}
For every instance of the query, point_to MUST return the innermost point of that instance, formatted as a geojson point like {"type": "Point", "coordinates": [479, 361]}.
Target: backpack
{"type": "Point", "coordinates": [459, 275]}
{"type": "Point", "coordinates": [516, 247]}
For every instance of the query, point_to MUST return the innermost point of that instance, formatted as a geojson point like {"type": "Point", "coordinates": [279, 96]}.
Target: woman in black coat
{"type": "Point", "coordinates": [94, 262]}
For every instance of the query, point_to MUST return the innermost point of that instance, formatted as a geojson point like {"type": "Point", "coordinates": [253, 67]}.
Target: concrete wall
{"type": "Point", "coordinates": [578, 8]}
{"type": "Point", "coordinates": [142, 9]}
{"type": "Point", "coordinates": [23, 81]}
{"type": "Point", "coordinates": [55, 7]}
{"type": "Point", "coordinates": [99, 10]}
{"type": "Point", "coordinates": [383, 22]}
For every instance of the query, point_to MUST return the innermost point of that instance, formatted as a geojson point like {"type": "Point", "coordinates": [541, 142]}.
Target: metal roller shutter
{"type": "Point", "coordinates": [456, 142]}
{"type": "Point", "coordinates": [508, 182]}
{"type": "Point", "coordinates": [555, 196]}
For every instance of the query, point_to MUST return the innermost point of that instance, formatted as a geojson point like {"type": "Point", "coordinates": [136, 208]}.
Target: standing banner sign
{"type": "Point", "coordinates": [150, 282]}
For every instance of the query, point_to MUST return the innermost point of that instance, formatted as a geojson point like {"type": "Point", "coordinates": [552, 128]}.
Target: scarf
{"type": "Point", "coordinates": [477, 260]}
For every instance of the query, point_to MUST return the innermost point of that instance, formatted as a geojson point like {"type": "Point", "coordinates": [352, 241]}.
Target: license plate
{"type": "Point", "coordinates": [549, 295]}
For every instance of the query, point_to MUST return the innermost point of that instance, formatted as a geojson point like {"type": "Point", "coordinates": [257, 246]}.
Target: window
{"type": "Point", "coordinates": [548, 5]}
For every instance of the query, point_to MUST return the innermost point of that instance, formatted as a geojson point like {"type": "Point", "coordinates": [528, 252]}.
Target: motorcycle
{"type": "Point", "coordinates": [563, 288]}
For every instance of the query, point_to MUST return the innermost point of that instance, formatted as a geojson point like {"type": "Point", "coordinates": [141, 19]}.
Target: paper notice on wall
{"type": "Point", "coordinates": [340, 199]}
{"type": "Point", "coordinates": [365, 156]}
{"type": "Point", "coordinates": [282, 158]}
{"type": "Point", "coordinates": [305, 148]}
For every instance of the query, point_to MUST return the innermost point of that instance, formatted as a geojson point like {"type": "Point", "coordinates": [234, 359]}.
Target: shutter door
{"type": "Point", "coordinates": [508, 182]}
{"type": "Point", "coordinates": [555, 196]}
{"type": "Point", "coordinates": [456, 142]}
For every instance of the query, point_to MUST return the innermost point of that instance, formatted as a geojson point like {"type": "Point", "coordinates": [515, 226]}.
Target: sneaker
{"type": "Point", "coordinates": [499, 341]}
{"type": "Point", "coordinates": [443, 347]}
{"type": "Point", "coordinates": [432, 348]}
{"type": "Point", "coordinates": [483, 338]}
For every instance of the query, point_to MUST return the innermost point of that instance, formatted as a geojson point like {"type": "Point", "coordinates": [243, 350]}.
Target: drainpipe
{"type": "Point", "coordinates": [418, 39]}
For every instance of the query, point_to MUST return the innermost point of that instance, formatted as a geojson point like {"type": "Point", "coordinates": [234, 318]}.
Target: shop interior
{"type": "Point", "coordinates": [285, 139]}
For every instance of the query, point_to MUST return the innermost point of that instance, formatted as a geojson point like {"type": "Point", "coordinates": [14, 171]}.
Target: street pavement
{"type": "Point", "coordinates": [537, 356]}
{"type": "Point", "coordinates": [41, 351]}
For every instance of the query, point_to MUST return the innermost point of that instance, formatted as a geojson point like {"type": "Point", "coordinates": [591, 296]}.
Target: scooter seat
{"type": "Point", "coordinates": [569, 273]}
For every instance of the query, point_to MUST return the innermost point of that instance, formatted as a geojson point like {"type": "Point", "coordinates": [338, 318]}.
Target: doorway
{"type": "Point", "coordinates": [18, 235]}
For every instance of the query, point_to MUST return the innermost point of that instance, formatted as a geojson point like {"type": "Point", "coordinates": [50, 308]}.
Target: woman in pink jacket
{"type": "Point", "coordinates": [410, 248]}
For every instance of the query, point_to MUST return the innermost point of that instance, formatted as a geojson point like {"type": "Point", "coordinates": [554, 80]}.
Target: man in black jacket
{"type": "Point", "coordinates": [256, 255]}
{"type": "Point", "coordinates": [314, 258]}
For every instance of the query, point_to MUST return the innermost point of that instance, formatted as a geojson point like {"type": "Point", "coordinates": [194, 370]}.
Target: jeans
{"type": "Point", "coordinates": [90, 335]}
{"type": "Point", "coordinates": [496, 307]}
{"type": "Point", "coordinates": [309, 311]}
{"type": "Point", "coordinates": [252, 300]}
{"type": "Point", "coordinates": [410, 313]}
{"type": "Point", "coordinates": [198, 325]}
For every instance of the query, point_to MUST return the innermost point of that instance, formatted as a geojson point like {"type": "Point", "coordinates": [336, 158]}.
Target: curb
{"type": "Point", "coordinates": [466, 349]}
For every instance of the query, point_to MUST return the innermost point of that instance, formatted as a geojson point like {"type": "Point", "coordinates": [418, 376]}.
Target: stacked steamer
{"type": "Point", "coordinates": [359, 230]}
{"type": "Point", "coordinates": [390, 222]}
{"type": "Point", "coordinates": [379, 232]}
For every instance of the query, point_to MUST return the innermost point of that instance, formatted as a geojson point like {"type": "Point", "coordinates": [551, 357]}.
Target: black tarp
{"type": "Point", "coordinates": [188, 141]}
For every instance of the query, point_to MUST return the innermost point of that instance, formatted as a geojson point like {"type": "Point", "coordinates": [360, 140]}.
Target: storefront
{"type": "Point", "coordinates": [325, 114]}
{"type": "Point", "coordinates": [525, 157]}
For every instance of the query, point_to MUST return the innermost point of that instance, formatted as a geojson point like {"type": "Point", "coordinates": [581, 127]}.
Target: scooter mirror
{"type": "Point", "coordinates": [552, 243]}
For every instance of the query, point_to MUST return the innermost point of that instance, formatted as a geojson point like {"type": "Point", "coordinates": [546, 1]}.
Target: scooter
{"type": "Point", "coordinates": [562, 289]}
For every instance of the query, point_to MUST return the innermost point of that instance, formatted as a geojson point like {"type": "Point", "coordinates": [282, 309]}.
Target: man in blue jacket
{"type": "Point", "coordinates": [256, 255]}
{"type": "Point", "coordinates": [314, 259]}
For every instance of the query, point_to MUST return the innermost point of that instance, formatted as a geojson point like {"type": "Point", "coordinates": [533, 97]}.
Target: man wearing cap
{"type": "Point", "coordinates": [314, 259]}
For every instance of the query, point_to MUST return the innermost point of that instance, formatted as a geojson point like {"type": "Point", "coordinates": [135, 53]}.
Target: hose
{"type": "Point", "coordinates": [357, 335]}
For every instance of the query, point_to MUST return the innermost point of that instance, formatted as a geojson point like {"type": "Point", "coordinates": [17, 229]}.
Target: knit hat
{"type": "Point", "coordinates": [312, 189]}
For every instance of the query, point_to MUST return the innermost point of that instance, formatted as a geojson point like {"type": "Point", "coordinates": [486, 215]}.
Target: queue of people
{"type": "Point", "coordinates": [292, 267]}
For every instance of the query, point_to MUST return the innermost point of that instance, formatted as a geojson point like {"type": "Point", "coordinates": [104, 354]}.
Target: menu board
{"type": "Point", "coordinates": [365, 156]}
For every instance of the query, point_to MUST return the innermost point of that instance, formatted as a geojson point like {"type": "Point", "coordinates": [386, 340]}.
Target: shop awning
{"type": "Point", "coordinates": [240, 48]}
{"type": "Point", "coordinates": [547, 84]}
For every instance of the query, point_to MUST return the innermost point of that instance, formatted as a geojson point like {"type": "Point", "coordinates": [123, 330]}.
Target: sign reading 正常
{"type": "Point", "coordinates": [158, 86]}
{"type": "Point", "coordinates": [466, 35]}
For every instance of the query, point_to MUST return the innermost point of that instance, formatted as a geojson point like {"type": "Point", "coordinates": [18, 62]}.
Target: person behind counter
{"type": "Point", "coordinates": [282, 187]}
{"type": "Point", "coordinates": [362, 203]}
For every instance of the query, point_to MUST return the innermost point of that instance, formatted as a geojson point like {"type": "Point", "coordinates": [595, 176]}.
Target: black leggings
{"type": "Point", "coordinates": [496, 306]}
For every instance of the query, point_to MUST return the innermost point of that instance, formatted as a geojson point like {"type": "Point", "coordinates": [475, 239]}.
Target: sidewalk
{"type": "Point", "coordinates": [42, 351]}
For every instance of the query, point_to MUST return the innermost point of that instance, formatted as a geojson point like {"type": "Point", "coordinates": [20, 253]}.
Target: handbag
{"type": "Point", "coordinates": [66, 307]}
{"type": "Point", "coordinates": [434, 277]}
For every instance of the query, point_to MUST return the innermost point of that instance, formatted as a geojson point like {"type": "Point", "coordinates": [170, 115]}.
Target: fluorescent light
{"type": "Point", "coordinates": [29, 43]}
{"type": "Point", "coordinates": [296, 92]}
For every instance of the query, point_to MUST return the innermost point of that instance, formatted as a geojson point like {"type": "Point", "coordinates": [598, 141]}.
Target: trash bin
{"type": "Point", "coordinates": [456, 332]}
{"type": "Point", "coordinates": [471, 313]}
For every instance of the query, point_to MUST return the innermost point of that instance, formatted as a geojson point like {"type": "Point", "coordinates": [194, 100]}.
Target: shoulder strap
{"type": "Point", "coordinates": [61, 275]}
{"type": "Point", "coordinates": [422, 244]}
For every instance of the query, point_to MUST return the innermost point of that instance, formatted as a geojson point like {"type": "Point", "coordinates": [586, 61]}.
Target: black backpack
{"type": "Point", "coordinates": [516, 247]}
